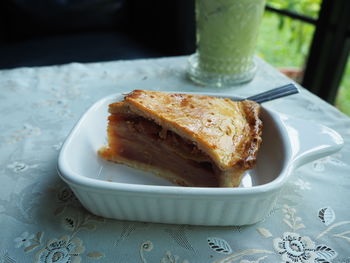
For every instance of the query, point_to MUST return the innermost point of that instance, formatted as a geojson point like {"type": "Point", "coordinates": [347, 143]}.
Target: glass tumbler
{"type": "Point", "coordinates": [226, 36]}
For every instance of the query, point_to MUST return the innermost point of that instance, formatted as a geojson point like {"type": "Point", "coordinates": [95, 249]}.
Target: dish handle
{"type": "Point", "coordinates": [311, 141]}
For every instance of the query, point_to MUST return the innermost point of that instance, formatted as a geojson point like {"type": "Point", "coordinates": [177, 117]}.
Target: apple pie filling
{"type": "Point", "coordinates": [136, 138]}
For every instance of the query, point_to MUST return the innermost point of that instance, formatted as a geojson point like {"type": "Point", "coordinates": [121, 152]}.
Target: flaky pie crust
{"type": "Point", "coordinates": [229, 132]}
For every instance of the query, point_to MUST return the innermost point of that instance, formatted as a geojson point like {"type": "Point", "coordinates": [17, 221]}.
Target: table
{"type": "Point", "coordinates": [42, 221]}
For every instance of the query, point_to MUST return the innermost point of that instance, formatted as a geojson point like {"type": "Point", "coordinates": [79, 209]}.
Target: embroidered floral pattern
{"type": "Point", "coordinates": [219, 245]}
{"type": "Point", "coordinates": [63, 250]}
{"type": "Point", "coordinates": [35, 242]}
{"type": "Point", "coordinates": [295, 248]}
{"type": "Point", "coordinates": [67, 249]}
{"type": "Point", "coordinates": [169, 258]}
{"type": "Point", "coordinates": [241, 254]}
{"type": "Point", "coordinates": [27, 130]}
{"type": "Point", "coordinates": [19, 167]}
{"type": "Point", "coordinates": [254, 261]}
{"type": "Point", "coordinates": [5, 257]}
{"type": "Point", "coordinates": [326, 215]}
{"type": "Point", "coordinates": [65, 197]}
{"type": "Point", "coordinates": [57, 146]}
{"type": "Point", "coordinates": [179, 235]}
{"type": "Point", "coordinates": [290, 218]}
{"type": "Point", "coordinates": [147, 246]}
{"type": "Point", "coordinates": [54, 97]}
{"type": "Point", "coordinates": [303, 185]}
{"type": "Point", "coordinates": [128, 228]}
{"type": "Point", "coordinates": [320, 165]}
{"type": "Point", "coordinates": [23, 240]}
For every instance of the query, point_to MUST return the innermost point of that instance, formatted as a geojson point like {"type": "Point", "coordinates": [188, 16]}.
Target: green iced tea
{"type": "Point", "coordinates": [226, 34]}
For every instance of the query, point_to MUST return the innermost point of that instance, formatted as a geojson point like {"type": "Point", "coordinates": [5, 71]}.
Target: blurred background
{"type": "Point", "coordinates": [308, 40]}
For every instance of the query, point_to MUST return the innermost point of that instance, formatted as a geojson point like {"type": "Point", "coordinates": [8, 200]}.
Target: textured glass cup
{"type": "Point", "coordinates": [226, 37]}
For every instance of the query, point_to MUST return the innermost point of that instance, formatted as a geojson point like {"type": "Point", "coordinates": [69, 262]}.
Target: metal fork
{"type": "Point", "coordinates": [275, 93]}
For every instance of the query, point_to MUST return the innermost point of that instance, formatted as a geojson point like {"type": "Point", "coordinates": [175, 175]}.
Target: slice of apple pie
{"type": "Point", "coordinates": [190, 139]}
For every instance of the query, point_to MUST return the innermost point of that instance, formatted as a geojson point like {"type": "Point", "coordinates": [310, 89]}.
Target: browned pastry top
{"type": "Point", "coordinates": [227, 131]}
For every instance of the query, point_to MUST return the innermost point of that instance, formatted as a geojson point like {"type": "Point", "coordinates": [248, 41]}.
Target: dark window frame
{"type": "Point", "coordinates": [330, 47]}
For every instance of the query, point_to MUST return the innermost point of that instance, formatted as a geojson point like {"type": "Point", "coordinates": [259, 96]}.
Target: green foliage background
{"type": "Point", "coordinates": [285, 42]}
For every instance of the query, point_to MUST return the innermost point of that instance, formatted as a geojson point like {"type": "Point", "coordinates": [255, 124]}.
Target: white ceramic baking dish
{"type": "Point", "coordinates": [116, 191]}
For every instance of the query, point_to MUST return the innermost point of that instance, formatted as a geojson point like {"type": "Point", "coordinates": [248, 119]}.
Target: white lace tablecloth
{"type": "Point", "coordinates": [41, 220]}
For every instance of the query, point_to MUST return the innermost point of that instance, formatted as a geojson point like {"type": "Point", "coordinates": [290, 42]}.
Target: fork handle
{"type": "Point", "coordinates": [276, 93]}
